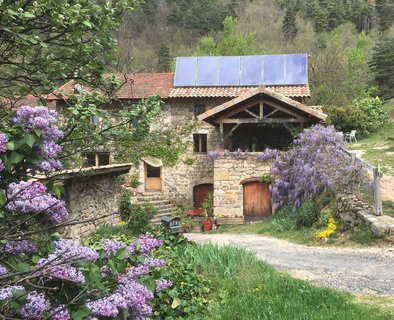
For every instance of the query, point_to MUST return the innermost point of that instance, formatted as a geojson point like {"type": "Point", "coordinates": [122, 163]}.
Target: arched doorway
{"type": "Point", "coordinates": [200, 194]}
{"type": "Point", "coordinates": [257, 200]}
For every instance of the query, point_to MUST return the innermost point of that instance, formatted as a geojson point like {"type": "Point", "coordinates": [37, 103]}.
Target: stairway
{"type": "Point", "coordinates": [164, 206]}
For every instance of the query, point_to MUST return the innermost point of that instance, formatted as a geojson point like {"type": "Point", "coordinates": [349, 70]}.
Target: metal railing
{"type": "Point", "coordinates": [376, 173]}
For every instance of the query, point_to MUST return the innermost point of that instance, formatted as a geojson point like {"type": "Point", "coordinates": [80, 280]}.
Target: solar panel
{"type": "Point", "coordinates": [229, 68]}
{"type": "Point", "coordinates": [207, 71]}
{"type": "Point", "coordinates": [296, 69]}
{"type": "Point", "coordinates": [251, 70]}
{"type": "Point", "coordinates": [274, 70]}
{"type": "Point", "coordinates": [291, 69]}
{"type": "Point", "coordinates": [185, 72]}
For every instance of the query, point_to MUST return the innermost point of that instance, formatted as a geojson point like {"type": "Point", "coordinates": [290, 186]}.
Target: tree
{"type": "Point", "coordinates": [164, 58]}
{"type": "Point", "coordinates": [385, 14]}
{"type": "Point", "coordinates": [382, 64]}
{"type": "Point", "coordinates": [289, 26]}
{"type": "Point", "coordinates": [44, 43]}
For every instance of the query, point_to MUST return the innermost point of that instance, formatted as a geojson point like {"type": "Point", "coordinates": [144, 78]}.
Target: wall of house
{"type": "Point", "coordinates": [229, 171]}
{"type": "Point", "coordinates": [91, 197]}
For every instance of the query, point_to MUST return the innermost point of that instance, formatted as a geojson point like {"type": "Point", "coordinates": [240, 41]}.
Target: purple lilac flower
{"type": "Point", "coordinates": [105, 271]}
{"type": "Point", "coordinates": [18, 247]}
{"type": "Point", "coordinates": [104, 307]}
{"type": "Point", "coordinates": [133, 273]}
{"type": "Point", "coordinates": [6, 292]}
{"type": "Point", "coordinates": [72, 250]}
{"type": "Point", "coordinates": [3, 142]}
{"type": "Point", "coordinates": [147, 243]}
{"type": "Point", "coordinates": [32, 197]}
{"type": "Point", "coordinates": [3, 270]}
{"type": "Point", "coordinates": [34, 118]}
{"type": "Point", "coordinates": [154, 263]}
{"type": "Point", "coordinates": [61, 313]}
{"type": "Point", "coordinates": [42, 118]}
{"type": "Point", "coordinates": [2, 166]}
{"type": "Point", "coordinates": [35, 306]}
{"type": "Point", "coordinates": [62, 271]}
{"type": "Point", "coordinates": [162, 284]}
{"type": "Point", "coordinates": [112, 246]}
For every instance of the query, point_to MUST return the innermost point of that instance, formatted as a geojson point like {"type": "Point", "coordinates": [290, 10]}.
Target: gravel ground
{"type": "Point", "coordinates": [361, 271]}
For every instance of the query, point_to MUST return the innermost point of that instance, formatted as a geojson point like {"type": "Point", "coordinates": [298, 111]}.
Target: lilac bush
{"type": "Point", "coordinates": [314, 163]}
{"type": "Point", "coordinates": [49, 277]}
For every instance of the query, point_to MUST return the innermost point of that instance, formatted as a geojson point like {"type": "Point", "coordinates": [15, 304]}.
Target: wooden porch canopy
{"type": "Point", "coordinates": [261, 106]}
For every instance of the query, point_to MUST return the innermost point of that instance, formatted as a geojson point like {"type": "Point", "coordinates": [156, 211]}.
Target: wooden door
{"type": "Point", "coordinates": [200, 194]}
{"type": "Point", "coordinates": [257, 200]}
{"type": "Point", "coordinates": [152, 178]}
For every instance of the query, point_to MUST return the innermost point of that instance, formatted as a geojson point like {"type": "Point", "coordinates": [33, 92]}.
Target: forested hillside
{"type": "Point", "coordinates": [350, 42]}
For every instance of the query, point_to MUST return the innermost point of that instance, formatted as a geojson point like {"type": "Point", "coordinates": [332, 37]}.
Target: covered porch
{"type": "Point", "coordinates": [259, 119]}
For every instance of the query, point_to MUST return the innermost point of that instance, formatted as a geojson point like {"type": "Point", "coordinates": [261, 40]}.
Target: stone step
{"type": "Point", "coordinates": [150, 199]}
{"type": "Point", "coordinates": [158, 203]}
{"type": "Point", "coordinates": [166, 211]}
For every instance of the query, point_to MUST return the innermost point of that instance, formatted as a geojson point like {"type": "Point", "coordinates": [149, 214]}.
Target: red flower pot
{"type": "Point", "coordinates": [207, 225]}
{"type": "Point", "coordinates": [195, 213]}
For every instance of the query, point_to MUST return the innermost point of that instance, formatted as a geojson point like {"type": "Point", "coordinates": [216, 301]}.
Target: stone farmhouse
{"type": "Point", "coordinates": [241, 105]}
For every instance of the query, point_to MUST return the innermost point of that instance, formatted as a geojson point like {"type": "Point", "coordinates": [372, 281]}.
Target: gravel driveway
{"type": "Point", "coordinates": [362, 271]}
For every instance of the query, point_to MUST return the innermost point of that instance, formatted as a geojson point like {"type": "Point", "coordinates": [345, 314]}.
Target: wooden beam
{"type": "Point", "coordinates": [254, 120]}
{"type": "Point", "coordinates": [228, 134]}
{"type": "Point", "coordinates": [270, 114]}
{"type": "Point", "coordinates": [237, 110]}
{"type": "Point", "coordinates": [252, 114]}
{"type": "Point", "coordinates": [221, 135]}
{"type": "Point", "coordinates": [279, 107]}
{"type": "Point", "coordinates": [261, 109]}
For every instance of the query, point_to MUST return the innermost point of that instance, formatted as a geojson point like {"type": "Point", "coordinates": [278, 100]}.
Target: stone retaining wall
{"type": "Point", "coordinates": [91, 194]}
{"type": "Point", "coordinates": [229, 171]}
{"type": "Point", "coordinates": [355, 212]}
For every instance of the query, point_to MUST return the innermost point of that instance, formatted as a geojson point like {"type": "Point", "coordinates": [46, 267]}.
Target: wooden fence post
{"type": "Point", "coordinates": [376, 189]}
{"type": "Point", "coordinates": [353, 158]}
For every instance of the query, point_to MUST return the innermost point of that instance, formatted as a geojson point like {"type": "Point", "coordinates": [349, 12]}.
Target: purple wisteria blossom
{"type": "Point", "coordinates": [212, 155]}
{"type": "Point", "coordinates": [162, 284]}
{"type": "Point", "coordinates": [35, 306]}
{"type": "Point", "coordinates": [60, 313]}
{"type": "Point", "coordinates": [6, 292]}
{"type": "Point", "coordinates": [3, 142]}
{"type": "Point", "coordinates": [314, 163]}
{"type": "Point", "coordinates": [3, 270]}
{"type": "Point", "coordinates": [147, 243]}
{"type": "Point", "coordinates": [17, 247]}
{"type": "Point", "coordinates": [32, 197]}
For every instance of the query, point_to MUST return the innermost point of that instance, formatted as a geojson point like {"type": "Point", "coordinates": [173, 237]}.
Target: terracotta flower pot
{"type": "Point", "coordinates": [207, 225]}
{"type": "Point", "coordinates": [195, 213]}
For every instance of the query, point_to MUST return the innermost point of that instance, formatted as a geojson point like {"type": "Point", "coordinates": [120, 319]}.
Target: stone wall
{"type": "Point", "coordinates": [229, 171]}
{"type": "Point", "coordinates": [355, 212]}
{"type": "Point", "coordinates": [91, 194]}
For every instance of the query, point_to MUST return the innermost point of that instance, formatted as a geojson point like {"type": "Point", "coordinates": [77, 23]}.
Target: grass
{"type": "Point", "coordinates": [246, 288]}
{"type": "Point", "coordinates": [306, 236]}
{"type": "Point", "coordinates": [372, 144]}
{"type": "Point", "coordinates": [388, 208]}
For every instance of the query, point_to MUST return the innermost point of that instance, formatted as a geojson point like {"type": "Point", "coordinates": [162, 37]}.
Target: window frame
{"type": "Point", "coordinates": [97, 158]}
{"type": "Point", "coordinates": [200, 143]}
{"type": "Point", "coordinates": [199, 105]}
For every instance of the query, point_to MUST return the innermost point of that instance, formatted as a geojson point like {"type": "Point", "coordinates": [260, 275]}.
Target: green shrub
{"type": "Point", "coordinates": [136, 216]}
{"type": "Point", "coordinates": [373, 108]}
{"type": "Point", "coordinates": [288, 218]}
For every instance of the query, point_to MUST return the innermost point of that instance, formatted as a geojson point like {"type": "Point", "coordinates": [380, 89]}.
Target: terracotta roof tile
{"type": "Point", "coordinates": [232, 92]}
{"type": "Point", "coordinates": [29, 100]}
{"type": "Point", "coordinates": [143, 85]}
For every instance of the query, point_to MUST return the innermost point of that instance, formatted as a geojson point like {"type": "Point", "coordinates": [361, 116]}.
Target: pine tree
{"type": "Point", "coordinates": [383, 65]}
{"type": "Point", "coordinates": [318, 17]}
{"type": "Point", "coordinates": [289, 26]}
{"type": "Point", "coordinates": [385, 14]}
{"type": "Point", "coordinates": [164, 58]}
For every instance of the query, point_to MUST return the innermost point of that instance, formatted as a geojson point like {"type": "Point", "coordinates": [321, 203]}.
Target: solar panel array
{"type": "Point", "coordinates": [285, 69]}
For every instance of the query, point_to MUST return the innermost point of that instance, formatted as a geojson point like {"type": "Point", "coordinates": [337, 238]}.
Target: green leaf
{"type": "Point", "coordinates": [121, 254]}
{"type": "Point", "coordinates": [22, 266]}
{"type": "Point", "coordinates": [16, 157]}
{"type": "Point", "coordinates": [149, 283]}
{"type": "Point", "coordinates": [35, 259]}
{"type": "Point", "coordinates": [28, 15]}
{"type": "Point", "coordinates": [14, 145]}
{"type": "Point", "coordinates": [30, 140]}
{"type": "Point", "coordinates": [87, 23]}
{"type": "Point", "coordinates": [80, 313]}
{"type": "Point", "coordinates": [176, 303]}
{"type": "Point", "coordinates": [3, 197]}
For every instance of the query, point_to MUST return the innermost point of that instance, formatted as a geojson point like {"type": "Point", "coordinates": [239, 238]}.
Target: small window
{"type": "Point", "coordinates": [200, 142]}
{"type": "Point", "coordinates": [96, 159]}
{"type": "Point", "coordinates": [199, 109]}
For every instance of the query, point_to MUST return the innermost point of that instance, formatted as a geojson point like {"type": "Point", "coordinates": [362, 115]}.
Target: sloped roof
{"type": "Point", "coordinates": [29, 100]}
{"type": "Point", "coordinates": [137, 86]}
{"type": "Point", "coordinates": [143, 85]}
{"type": "Point", "coordinates": [232, 92]}
{"type": "Point", "coordinates": [293, 105]}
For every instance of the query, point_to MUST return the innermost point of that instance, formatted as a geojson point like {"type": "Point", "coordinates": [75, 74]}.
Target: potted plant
{"type": "Point", "coordinates": [207, 208]}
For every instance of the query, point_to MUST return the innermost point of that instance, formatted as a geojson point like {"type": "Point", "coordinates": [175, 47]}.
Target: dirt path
{"type": "Point", "coordinates": [387, 185]}
{"type": "Point", "coordinates": [362, 271]}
